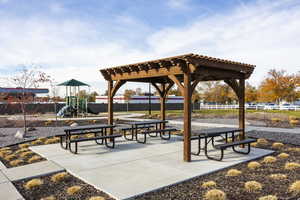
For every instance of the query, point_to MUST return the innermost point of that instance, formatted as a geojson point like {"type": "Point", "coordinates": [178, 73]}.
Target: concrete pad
{"type": "Point", "coordinates": [9, 192]}
{"type": "Point", "coordinates": [132, 169]}
{"type": "Point", "coordinates": [3, 178]}
{"type": "Point", "coordinates": [32, 170]}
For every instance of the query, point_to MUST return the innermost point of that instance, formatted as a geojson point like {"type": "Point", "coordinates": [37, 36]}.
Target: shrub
{"type": "Point", "coordinates": [262, 141]}
{"type": "Point", "coordinates": [4, 148]}
{"type": "Point", "coordinates": [278, 176]}
{"type": "Point", "coordinates": [52, 140]}
{"type": "Point", "coordinates": [90, 135]}
{"type": "Point", "coordinates": [269, 197]}
{"type": "Point", "coordinates": [25, 154]}
{"type": "Point", "coordinates": [295, 187]}
{"type": "Point", "coordinates": [215, 194]}
{"type": "Point", "coordinates": [36, 142]}
{"type": "Point", "coordinates": [283, 155]}
{"type": "Point", "coordinates": [22, 150]}
{"type": "Point", "coordinates": [269, 159]}
{"type": "Point", "coordinates": [254, 144]}
{"type": "Point", "coordinates": [277, 145]}
{"type": "Point", "coordinates": [49, 198]}
{"type": "Point", "coordinates": [10, 157]}
{"type": "Point", "coordinates": [34, 159]}
{"type": "Point", "coordinates": [5, 153]}
{"type": "Point", "coordinates": [294, 122]}
{"type": "Point", "coordinates": [275, 120]}
{"type": "Point", "coordinates": [97, 198]}
{"type": "Point", "coordinates": [254, 165]}
{"type": "Point", "coordinates": [33, 183]}
{"type": "Point", "coordinates": [292, 118]}
{"type": "Point", "coordinates": [16, 162]}
{"type": "Point", "coordinates": [25, 145]}
{"type": "Point", "coordinates": [253, 186]}
{"type": "Point", "coordinates": [74, 189]}
{"type": "Point", "coordinates": [233, 172]}
{"type": "Point", "coordinates": [74, 137]}
{"type": "Point", "coordinates": [294, 149]}
{"type": "Point", "coordinates": [59, 177]}
{"type": "Point", "coordinates": [291, 166]}
{"type": "Point", "coordinates": [209, 184]}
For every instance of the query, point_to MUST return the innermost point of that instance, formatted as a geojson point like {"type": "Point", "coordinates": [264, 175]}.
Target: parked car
{"type": "Point", "coordinates": [271, 106]}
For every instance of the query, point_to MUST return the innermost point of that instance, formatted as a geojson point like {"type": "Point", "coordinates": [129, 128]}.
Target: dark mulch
{"type": "Point", "coordinates": [59, 189]}
{"type": "Point", "coordinates": [24, 159]}
{"type": "Point", "coordinates": [288, 138]}
{"type": "Point", "coordinates": [234, 186]}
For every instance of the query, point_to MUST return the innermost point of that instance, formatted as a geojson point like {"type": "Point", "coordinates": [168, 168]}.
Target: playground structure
{"type": "Point", "coordinates": [75, 105]}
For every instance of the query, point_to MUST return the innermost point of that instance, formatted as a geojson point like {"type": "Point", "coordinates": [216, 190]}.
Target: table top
{"type": "Point", "coordinates": [148, 122]}
{"type": "Point", "coordinates": [216, 131]}
{"type": "Point", "coordinates": [89, 127]}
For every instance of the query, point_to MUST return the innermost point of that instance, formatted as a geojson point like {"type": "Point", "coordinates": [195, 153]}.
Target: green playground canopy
{"type": "Point", "coordinates": [73, 82]}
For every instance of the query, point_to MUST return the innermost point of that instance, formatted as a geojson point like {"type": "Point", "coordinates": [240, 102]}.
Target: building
{"type": "Point", "coordinates": [140, 99]}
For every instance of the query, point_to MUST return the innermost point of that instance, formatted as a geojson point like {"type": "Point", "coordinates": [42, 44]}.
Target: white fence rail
{"type": "Point", "coordinates": [250, 107]}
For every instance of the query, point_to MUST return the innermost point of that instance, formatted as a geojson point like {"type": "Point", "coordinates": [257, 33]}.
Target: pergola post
{"type": "Point", "coordinates": [110, 103]}
{"type": "Point", "coordinates": [163, 104]}
{"type": "Point", "coordinates": [187, 117]}
{"type": "Point", "coordinates": [241, 97]}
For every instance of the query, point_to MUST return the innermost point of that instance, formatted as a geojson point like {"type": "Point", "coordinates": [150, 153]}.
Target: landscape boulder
{"type": "Point", "coordinates": [20, 134]}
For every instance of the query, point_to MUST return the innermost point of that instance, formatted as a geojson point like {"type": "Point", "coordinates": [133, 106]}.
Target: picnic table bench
{"type": "Point", "coordinates": [209, 134]}
{"type": "Point", "coordinates": [139, 128]}
{"type": "Point", "coordinates": [99, 131]}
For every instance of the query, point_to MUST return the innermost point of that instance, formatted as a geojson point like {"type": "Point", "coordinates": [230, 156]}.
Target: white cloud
{"type": "Point", "coordinates": [178, 4]}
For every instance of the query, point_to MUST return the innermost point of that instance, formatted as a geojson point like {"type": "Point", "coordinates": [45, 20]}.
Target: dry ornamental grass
{"type": "Point", "coordinates": [22, 150]}
{"type": "Point", "coordinates": [291, 166]}
{"type": "Point", "coordinates": [33, 183]}
{"type": "Point", "coordinates": [269, 197]}
{"type": "Point", "coordinates": [253, 186]}
{"type": "Point", "coordinates": [277, 145]}
{"type": "Point", "coordinates": [215, 194]}
{"type": "Point", "coordinates": [209, 184]}
{"type": "Point", "coordinates": [34, 159]}
{"type": "Point", "coordinates": [97, 198]}
{"type": "Point", "coordinates": [254, 165]}
{"type": "Point", "coordinates": [74, 189]}
{"type": "Point", "coordinates": [283, 155]}
{"type": "Point", "coordinates": [295, 187]}
{"type": "Point", "coordinates": [278, 176]}
{"type": "Point", "coordinates": [49, 198]}
{"type": "Point", "coordinates": [59, 177]}
{"type": "Point", "coordinates": [269, 159]}
{"type": "Point", "coordinates": [16, 162]}
{"type": "Point", "coordinates": [262, 141]}
{"type": "Point", "coordinates": [26, 154]}
{"type": "Point", "coordinates": [25, 145]}
{"type": "Point", "coordinates": [10, 157]}
{"type": "Point", "coordinates": [233, 172]}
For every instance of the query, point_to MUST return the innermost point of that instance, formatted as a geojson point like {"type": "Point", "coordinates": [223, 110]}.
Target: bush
{"type": "Point", "coordinates": [49, 198]}
{"type": "Point", "coordinates": [269, 159]}
{"type": "Point", "coordinates": [97, 198]}
{"type": "Point", "coordinates": [34, 159]}
{"type": "Point", "coordinates": [291, 166]}
{"type": "Point", "coordinates": [294, 122]}
{"type": "Point", "coordinates": [22, 150]}
{"type": "Point", "coordinates": [74, 189]}
{"type": "Point", "coordinates": [295, 187]}
{"type": "Point", "coordinates": [275, 120]}
{"type": "Point", "coordinates": [52, 140]}
{"type": "Point", "coordinates": [253, 186]}
{"type": "Point", "coordinates": [262, 141]}
{"type": "Point", "coordinates": [5, 153]}
{"type": "Point", "coordinates": [10, 157]}
{"type": "Point", "coordinates": [26, 154]}
{"type": "Point", "coordinates": [254, 165]}
{"type": "Point", "coordinates": [233, 172]}
{"type": "Point", "coordinates": [16, 162]}
{"type": "Point", "coordinates": [283, 155]}
{"type": "Point", "coordinates": [269, 197]}
{"type": "Point", "coordinates": [59, 177]}
{"type": "Point", "coordinates": [278, 176]}
{"type": "Point", "coordinates": [254, 144]}
{"type": "Point", "coordinates": [277, 145]}
{"type": "Point", "coordinates": [36, 142]}
{"type": "Point", "coordinates": [215, 195]}
{"type": "Point", "coordinates": [25, 145]}
{"type": "Point", "coordinates": [209, 184]}
{"type": "Point", "coordinates": [4, 148]}
{"type": "Point", "coordinates": [294, 149]}
{"type": "Point", "coordinates": [33, 183]}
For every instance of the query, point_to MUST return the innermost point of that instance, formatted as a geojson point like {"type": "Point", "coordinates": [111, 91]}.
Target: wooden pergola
{"type": "Point", "coordinates": [185, 71]}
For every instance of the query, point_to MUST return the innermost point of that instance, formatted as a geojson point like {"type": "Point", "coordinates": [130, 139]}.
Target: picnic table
{"type": "Point", "coordinates": [99, 131]}
{"type": "Point", "coordinates": [209, 137]}
{"type": "Point", "coordinates": [158, 125]}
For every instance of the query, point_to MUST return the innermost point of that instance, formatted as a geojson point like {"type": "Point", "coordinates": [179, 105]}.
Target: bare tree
{"type": "Point", "coordinates": [29, 76]}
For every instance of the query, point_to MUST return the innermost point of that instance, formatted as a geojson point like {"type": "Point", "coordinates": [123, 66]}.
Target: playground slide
{"type": "Point", "coordinates": [62, 111]}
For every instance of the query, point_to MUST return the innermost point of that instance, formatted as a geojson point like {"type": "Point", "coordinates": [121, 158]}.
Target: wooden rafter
{"type": "Point", "coordinates": [177, 82]}
{"type": "Point", "coordinates": [116, 86]}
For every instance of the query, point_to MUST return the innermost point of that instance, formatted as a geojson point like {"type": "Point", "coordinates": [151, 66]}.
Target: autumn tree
{"type": "Point", "coordinates": [175, 91]}
{"type": "Point", "coordinates": [279, 86]}
{"type": "Point", "coordinates": [92, 96]}
{"type": "Point", "coordinates": [216, 91]}
{"type": "Point", "coordinates": [250, 93]}
{"type": "Point", "coordinates": [128, 93]}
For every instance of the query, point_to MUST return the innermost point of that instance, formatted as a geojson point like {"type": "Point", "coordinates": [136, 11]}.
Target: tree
{"type": "Point", "coordinates": [279, 86]}
{"type": "Point", "coordinates": [128, 93]}
{"type": "Point", "coordinates": [175, 91]}
{"type": "Point", "coordinates": [92, 96]}
{"type": "Point", "coordinates": [250, 93]}
{"type": "Point", "coordinates": [215, 91]}
{"type": "Point", "coordinates": [27, 77]}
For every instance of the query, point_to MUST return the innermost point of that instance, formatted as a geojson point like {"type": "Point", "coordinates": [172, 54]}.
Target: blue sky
{"type": "Point", "coordinates": [76, 38]}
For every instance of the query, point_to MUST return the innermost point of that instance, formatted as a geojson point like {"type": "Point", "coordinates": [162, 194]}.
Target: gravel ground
{"type": "Point", "coordinates": [7, 134]}
{"type": "Point", "coordinates": [288, 138]}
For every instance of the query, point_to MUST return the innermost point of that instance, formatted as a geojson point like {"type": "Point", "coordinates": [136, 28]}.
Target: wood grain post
{"type": "Point", "coordinates": [187, 117]}
{"type": "Point", "coordinates": [242, 107]}
{"type": "Point", "coordinates": [110, 105]}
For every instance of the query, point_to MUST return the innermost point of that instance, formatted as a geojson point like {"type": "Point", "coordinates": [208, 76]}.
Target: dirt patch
{"type": "Point", "coordinates": [59, 189]}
